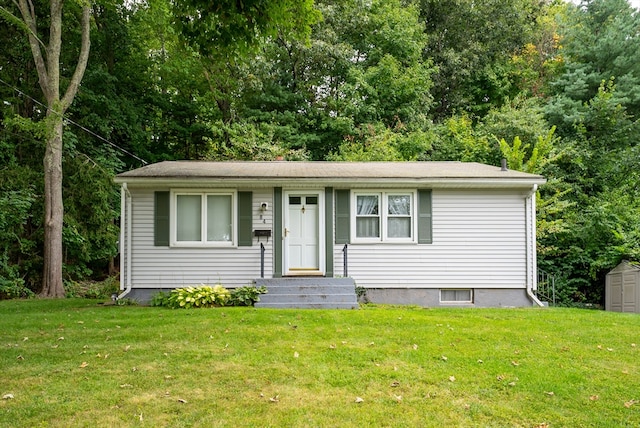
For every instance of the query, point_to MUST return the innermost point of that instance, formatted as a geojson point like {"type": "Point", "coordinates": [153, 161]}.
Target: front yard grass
{"type": "Point", "coordinates": [77, 363]}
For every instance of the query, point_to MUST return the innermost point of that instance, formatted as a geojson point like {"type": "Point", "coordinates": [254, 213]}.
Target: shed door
{"type": "Point", "coordinates": [615, 292]}
{"type": "Point", "coordinates": [629, 294]}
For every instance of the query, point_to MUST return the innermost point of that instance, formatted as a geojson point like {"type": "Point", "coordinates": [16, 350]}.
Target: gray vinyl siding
{"type": "Point", "coordinates": [479, 241]}
{"type": "Point", "coordinates": [165, 267]}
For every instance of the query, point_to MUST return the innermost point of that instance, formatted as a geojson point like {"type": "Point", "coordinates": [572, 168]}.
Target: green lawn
{"type": "Point", "coordinates": [78, 363]}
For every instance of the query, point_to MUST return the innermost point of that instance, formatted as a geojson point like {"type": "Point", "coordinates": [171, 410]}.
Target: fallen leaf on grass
{"type": "Point", "coordinates": [359, 400]}
{"type": "Point", "coordinates": [84, 364]}
{"type": "Point", "coordinates": [630, 403]}
{"type": "Point", "coordinates": [8, 397]}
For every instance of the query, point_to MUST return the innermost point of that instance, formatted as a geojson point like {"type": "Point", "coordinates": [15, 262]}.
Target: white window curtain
{"type": "Point", "coordinates": [399, 216]}
{"type": "Point", "coordinates": [189, 218]}
{"type": "Point", "coordinates": [219, 213]}
{"type": "Point", "coordinates": [368, 216]}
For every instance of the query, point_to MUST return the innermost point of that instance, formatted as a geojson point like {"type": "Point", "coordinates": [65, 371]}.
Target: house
{"type": "Point", "coordinates": [424, 233]}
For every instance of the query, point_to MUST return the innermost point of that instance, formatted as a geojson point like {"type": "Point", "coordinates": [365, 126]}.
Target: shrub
{"type": "Point", "coordinates": [206, 296]}
{"type": "Point", "coordinates": [199, 297]}
{"type": "Point", "coordinates": [160, 299]}
{"type": "Point", "coordinates": [246, 296]}
{"type": "Point", "coordinates": [14, 288]}
{"type": "Point", "coordinates": [92, 289]}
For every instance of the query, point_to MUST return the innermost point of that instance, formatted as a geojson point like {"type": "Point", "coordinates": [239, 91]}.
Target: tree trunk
{"type": "Point", "coordinates": [54, 211]}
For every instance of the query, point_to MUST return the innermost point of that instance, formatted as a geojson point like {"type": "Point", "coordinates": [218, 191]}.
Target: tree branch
{"type": "Point", "coordinates": [83, 58]}
{"type": "Point", "coordinates": [29, 20]}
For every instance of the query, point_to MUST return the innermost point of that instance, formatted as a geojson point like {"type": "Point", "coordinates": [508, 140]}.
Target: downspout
{"type": "Point", "coordinates": [531, 245]}
{"type": "Point", "coordinates": [125, 213]}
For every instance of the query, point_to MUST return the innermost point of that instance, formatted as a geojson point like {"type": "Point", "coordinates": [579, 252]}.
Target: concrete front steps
{"type": "Point", "coordinates": [308, 293]}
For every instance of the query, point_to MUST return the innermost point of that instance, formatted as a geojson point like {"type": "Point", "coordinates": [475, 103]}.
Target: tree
{"type": "Point", "coordinates": [471, 43]}
{"type": "Point", "coordinates": [46, 56]}
{"type": "Point", "coordinates": [600, 42]}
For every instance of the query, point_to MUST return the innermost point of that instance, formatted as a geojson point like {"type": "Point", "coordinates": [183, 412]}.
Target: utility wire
{"type": "Point", "coordinates": [88, 131]}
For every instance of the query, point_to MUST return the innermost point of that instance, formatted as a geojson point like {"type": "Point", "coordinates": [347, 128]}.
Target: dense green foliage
{"type": "Point", "coordinates": [550, 86]}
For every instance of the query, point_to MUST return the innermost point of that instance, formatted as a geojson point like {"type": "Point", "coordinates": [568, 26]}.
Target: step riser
{"type": "Point", "coordinates": [324, 289]}
{"type": "Point", "coordinates": [307, 306]}
{"type": "Point", "coordinates": [309, 298]}
{"type": "Point", "coordinates": [308, 293]}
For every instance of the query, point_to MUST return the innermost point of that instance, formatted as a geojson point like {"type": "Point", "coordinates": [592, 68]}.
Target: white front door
{"type": "Point", "coordinates": [303, 225]}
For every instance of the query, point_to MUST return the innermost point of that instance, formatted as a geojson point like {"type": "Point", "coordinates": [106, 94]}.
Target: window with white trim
{"type": "Point", "coordinates": [203, 218]}
{"type": "Point", "coordinates": [387, 216]}
{"type": "Point", "coordinates": [456, 295]}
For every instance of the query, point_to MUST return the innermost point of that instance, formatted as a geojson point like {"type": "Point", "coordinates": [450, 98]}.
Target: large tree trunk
{"type": "Point", "coordinates": [54, 212]}
{"type": "Point", "coordinates": [47, 61]}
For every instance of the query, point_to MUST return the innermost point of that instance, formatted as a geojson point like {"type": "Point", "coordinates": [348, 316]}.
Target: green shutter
{"type": "Point", "coordinates": [343, 221]}
{"type": "Point", "coordinates": [277, 232]}
{"type": "Point", "coordinates": [424, 217]}
{"type": "Point", "coordinates": [161, 222]}
{"type": "Point", "coordinates": [245, 219]}
{"type": "Point", "coordinates": [328, 239]}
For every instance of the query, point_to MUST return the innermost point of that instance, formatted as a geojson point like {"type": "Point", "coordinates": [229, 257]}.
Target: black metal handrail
{"type": "Point", "coordinates": [546, 287]}
{"type": "Point", "coordinates": [262, 250]}
{"type": "Point", "coordinates": [345, 270]}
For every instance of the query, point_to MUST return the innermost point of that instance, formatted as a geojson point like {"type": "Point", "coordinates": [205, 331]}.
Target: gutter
{"type": "Point", "coordinates": [531, 249]}
{"type": "Point", "coordinates": [125, 214]}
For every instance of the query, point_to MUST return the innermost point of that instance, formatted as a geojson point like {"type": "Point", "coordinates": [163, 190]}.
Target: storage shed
{"type": "Point", "coordinates": [622, 288]}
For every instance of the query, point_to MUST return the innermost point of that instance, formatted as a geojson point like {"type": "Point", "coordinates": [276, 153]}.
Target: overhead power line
{"type": "Point", "coordinates": [85, 129]}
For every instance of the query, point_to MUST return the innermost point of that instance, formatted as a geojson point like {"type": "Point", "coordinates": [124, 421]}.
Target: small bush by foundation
{"type": "Point", "coordinates": [204, 296]}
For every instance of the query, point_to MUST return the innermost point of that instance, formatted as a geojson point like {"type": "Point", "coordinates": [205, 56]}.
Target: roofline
{"type": "Point", "coordinates": [337, 182]}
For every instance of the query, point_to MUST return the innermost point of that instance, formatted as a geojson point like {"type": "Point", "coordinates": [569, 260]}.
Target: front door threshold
{"type": "Point", "coordinates": [304, 273]}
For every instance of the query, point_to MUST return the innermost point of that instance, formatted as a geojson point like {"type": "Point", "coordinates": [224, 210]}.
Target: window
{"type": "Point", "coordinates": [456, 296]}
{"type": "Point", "coordinates": [203, 219]}
{"type": "Point", "coordinates": [384, 217]}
